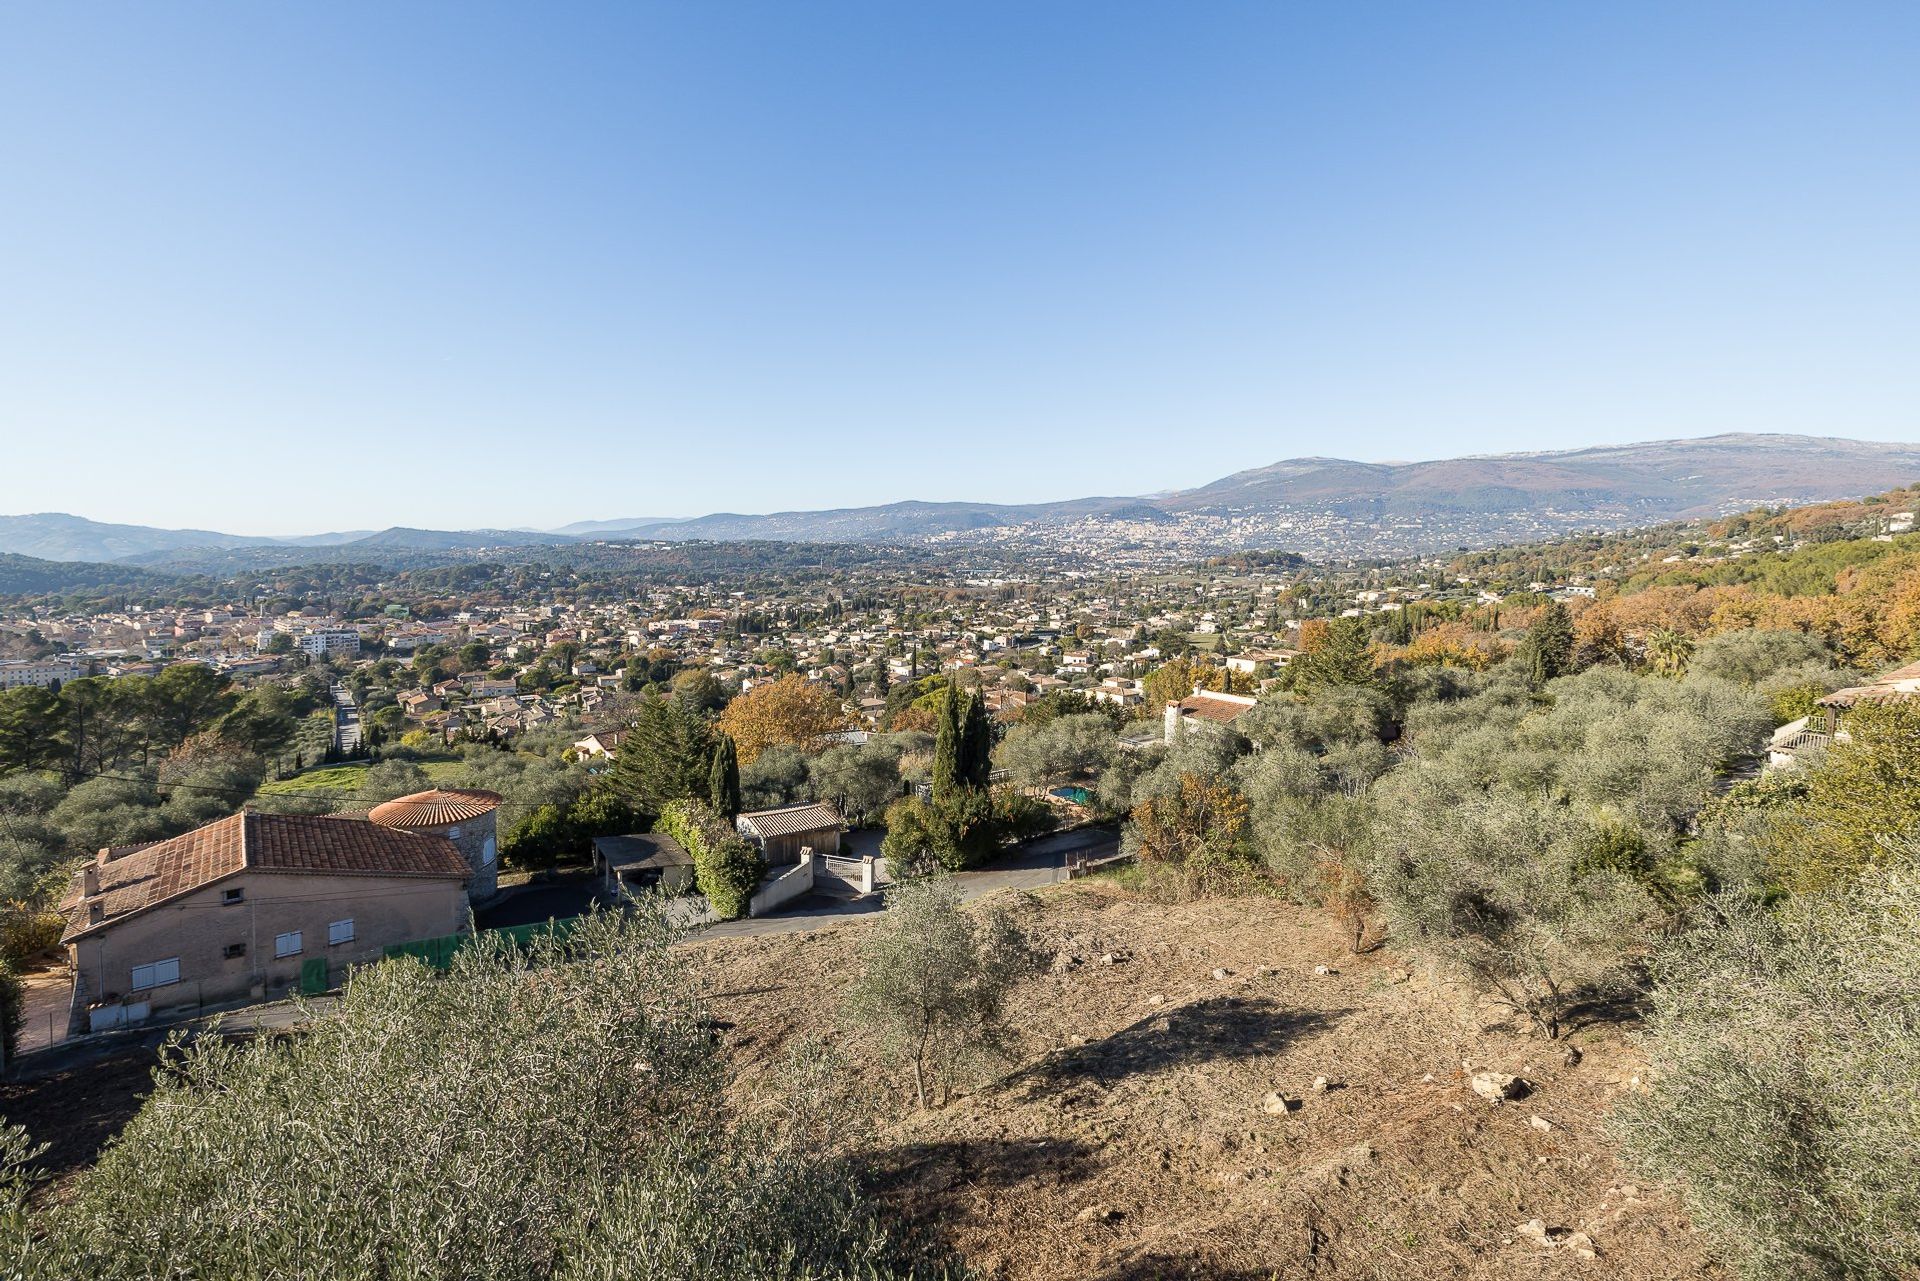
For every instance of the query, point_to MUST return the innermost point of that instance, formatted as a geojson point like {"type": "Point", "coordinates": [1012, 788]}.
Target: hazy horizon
{"type": "Point", "coordinates": [292, 270]}
{"type": "Point", "coordinates": [521, 527]}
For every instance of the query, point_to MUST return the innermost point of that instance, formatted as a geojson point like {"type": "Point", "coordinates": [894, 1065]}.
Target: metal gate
{"type": "Point", "coordinates": [839, 877]}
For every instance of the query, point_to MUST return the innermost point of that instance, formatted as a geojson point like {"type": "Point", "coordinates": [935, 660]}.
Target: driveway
{"type": "Point", "coordinates": [567, 893]}
{"type": "Point", "coordinates": [46, 1006]}
{"type": "Point", "coordinates": [1042, 861]}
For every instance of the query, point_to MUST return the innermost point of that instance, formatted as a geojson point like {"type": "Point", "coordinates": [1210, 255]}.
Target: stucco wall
{"type": "Point", "coordinates": [198, 927]}
{"type": "Point", "coordinates": [477, 840]}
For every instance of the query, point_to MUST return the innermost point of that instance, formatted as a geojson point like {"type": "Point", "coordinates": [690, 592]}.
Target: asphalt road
{"type": "Point", "coordinates": [1039, 862]}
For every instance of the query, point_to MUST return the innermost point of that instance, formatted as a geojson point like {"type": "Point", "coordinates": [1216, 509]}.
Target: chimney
{"type": "Point", "coordinates": [90, 878]}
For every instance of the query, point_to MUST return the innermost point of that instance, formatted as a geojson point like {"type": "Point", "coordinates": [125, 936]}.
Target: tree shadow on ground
{"type": "Point", "coordinates": [932, 1178]}
{"type": "Point", "coordinates": [1161, 1267]}
{"type": "Point", "coordinates": [1218, 1029]}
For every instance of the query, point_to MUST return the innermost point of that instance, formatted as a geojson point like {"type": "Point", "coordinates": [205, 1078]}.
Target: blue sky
{"type": "Point", "coordinates": [279, 268]}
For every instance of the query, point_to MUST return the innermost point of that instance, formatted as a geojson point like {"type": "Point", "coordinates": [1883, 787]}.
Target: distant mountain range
{"type": "Point", "coordinates": [1301, 503]}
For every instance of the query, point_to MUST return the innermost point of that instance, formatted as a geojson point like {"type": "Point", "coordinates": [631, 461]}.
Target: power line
{"type": "Point", "coordinates": [158, 785]}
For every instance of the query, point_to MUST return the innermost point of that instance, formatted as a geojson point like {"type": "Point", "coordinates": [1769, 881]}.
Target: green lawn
{"type": "Point", "coordinates": [346, 779]}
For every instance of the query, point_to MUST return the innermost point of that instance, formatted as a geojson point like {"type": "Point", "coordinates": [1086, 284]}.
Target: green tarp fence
{"type": "Point", "coordinates": [439, 952]}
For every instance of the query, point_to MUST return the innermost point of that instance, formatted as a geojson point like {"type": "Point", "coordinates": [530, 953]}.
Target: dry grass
{"type": "Point", "coordinates": [1129, 1141]}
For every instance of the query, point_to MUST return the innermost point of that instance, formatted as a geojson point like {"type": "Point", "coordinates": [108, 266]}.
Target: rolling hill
{"type": "Point", "coordinates": [1657, 480]}
{"type": "Point", "coordinates": [1318, 504]}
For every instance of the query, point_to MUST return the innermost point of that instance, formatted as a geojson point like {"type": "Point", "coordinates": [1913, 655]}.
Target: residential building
{"type": "Point", "coordinates": [334, 642]}
{"type": "Point", "coordinates": [1203, 709]}
{"type": "Point", "coordinates": [42, 672]}
{"type": "Point", "coordinates": [1252, 662]}
{"type": "Point", "coordinates": [249, 905]}
{"type": "Point", "coordinates": [463, 815]}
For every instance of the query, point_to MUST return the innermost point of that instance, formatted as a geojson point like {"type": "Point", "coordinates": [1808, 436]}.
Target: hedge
{"type": "Point", "coordinates": [726, 867]}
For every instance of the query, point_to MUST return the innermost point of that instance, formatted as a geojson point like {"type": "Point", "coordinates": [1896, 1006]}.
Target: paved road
{"type": "Point", "coordinates": [346, 721]}
{"type": "Point", "coordinates": [1037, 863]}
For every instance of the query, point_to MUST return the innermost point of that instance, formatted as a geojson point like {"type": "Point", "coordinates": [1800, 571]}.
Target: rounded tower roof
{"type": "Point", "coordinates": [435, 808]}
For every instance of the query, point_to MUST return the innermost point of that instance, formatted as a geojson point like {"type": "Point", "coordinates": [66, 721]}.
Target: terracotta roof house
{"type": "Point", "coordinates": [782, 833]}
{"type": "Point", "coordinates": [600, 745]}
{"type": "Point", "coordinates": [465, 816]}
{"type": "Point", "coordinates": [1204, 709]}
{"type": "Point", "coordinates": [251, 904]}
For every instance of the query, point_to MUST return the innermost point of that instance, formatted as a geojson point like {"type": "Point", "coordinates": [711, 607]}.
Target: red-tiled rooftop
{"type": "Point", "coordinates": [435, 808]}
{"type": "Point", "coordinates": [1209, 706]}
{"type": "Point", "coordinates": [135, 878]}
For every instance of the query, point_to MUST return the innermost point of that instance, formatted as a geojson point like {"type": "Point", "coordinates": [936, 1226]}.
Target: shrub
{"type": "Point", "coordinates": [1504, 892]}
{"type": "Point", "coordinates": [1860, 804]}
{"type": "Point", "coordinates": [1196, 835]}
{"type": "Point", "coordinates": [725, 866]}
{"type": "Point", "coordinates": [1785, 1064]}
{"type": "Point", "coordinates": [555, 1112]}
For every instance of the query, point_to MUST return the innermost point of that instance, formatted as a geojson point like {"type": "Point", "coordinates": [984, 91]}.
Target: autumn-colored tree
{"type": "Point", "coordinates": [1452, 645]}
{"type": "Point", "coordinates": [791, 711]}
{"type": "Point", "coordinates": [1177, 679]}
{"type": "Point", "coordinates": [1599, 638]}
{"type": "Point", "coordinates": [1198, 831]}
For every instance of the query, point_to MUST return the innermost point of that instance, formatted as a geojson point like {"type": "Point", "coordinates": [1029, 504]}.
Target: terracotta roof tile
{"type": "Point", "coordinates": [1212, 707]}
{"type": "Point", "coordinates": [435, 808]}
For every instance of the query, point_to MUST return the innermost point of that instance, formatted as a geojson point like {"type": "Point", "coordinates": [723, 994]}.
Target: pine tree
{"type": "Point", "coordinates": [664, 758]}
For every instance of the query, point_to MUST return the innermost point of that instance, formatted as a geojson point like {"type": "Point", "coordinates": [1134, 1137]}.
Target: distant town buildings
{"type": "Point", "coordinates": [42, 672]}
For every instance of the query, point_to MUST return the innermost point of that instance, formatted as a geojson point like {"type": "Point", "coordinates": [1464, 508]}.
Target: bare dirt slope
{"type": "Point", "coordinates": [1131, 1142]}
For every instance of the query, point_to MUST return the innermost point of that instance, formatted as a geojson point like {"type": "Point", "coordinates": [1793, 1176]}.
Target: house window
{"type": "Point", "coordinates": [340, 932]}
{"type": "Point", "coordinates": [234, 951]}
{"type": "Point", "coordinates": [287, 944]}
{"type": "Point", "coordinates": [233, 896]}
{"type": "Point", "coordinates": [156, 974]}
{"type": "Point", "coordinates": [486, 853]}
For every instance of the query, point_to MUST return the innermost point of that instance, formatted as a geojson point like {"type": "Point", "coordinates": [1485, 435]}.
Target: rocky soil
{"type": "Point", "coordinates": [1218, 1089]}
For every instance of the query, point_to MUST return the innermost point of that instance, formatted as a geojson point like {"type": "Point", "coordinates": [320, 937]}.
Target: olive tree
{"type": "Point", "coordinates": [1785, 1064]}
{"type": "Point", "coordinates": [555, 1112]}
{"type": "Point", "coordinates": [1513, 895]}
{"type": "Point", "coordinates": [862, 780]}
{"type": "Point", "coordinates": [934, 982]}
{"type": "Point", "coordinates": [1073, 746]}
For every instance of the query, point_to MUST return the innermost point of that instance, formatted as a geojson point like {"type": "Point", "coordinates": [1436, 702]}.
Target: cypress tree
{"type": "Point", "coordinates": [947, 749]}
{"type": "Point", "coordinates": [723, 778]}
{"type": "Point", "coordinates": [976, 745]}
